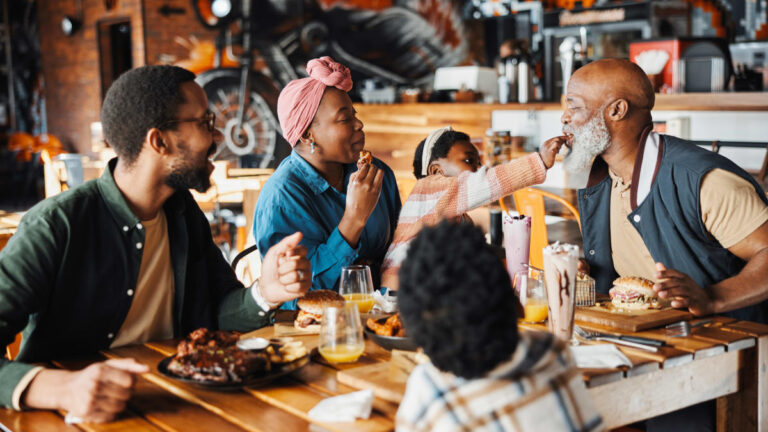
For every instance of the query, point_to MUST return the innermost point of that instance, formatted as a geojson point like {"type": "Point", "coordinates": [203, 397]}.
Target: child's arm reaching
{"type": "Point", "coordinates": [474, 189]}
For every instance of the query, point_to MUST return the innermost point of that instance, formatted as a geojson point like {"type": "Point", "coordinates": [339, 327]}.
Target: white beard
{"type": "Point", "coordinates": [589, 141]}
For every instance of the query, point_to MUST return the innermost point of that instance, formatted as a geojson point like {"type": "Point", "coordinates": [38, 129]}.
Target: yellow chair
{"type": "Point", "coordinates": [530, 202]}
{"type": "Point", "coordinates": [12, 350]}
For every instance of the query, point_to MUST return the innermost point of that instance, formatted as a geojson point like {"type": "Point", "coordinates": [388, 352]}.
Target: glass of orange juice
{"type": "Point", "coordinates": [529, 285]}
{"type": "Point", "coordinates": [341, 334]}
{"type": "Point", "coordinates": [356, 287]}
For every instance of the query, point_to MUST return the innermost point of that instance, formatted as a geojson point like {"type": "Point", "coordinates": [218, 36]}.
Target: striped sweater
{"type": "Point", "coordinates": [437, 197]}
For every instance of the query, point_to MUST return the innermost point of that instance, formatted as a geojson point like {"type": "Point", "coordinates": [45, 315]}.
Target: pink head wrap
{"type": "Point", "coordinates": [298, 102]}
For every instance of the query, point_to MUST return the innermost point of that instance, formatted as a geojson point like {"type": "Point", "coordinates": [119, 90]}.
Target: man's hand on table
{"type": "Point", "coordinates": [97, 393]}
{"type": "Point", "coordinates": [682, 290]}
{"type": "Point", "coordinates": [286, 273]}
{"type": "Point", "coordinates": [583, 267]}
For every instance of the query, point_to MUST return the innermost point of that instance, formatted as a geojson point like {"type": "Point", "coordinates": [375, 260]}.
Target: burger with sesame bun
{"type": "Point", "coordinates": [634, 293]}
{"type": "Point", "coordinates": [311, 308]}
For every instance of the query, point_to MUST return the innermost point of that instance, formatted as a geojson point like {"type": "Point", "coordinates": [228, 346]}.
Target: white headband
{"type": "Point", "coordinates": [429, 143]}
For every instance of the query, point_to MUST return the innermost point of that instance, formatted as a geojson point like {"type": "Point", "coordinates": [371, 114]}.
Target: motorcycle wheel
{"type": "Point", "coordinates": [258, 143]}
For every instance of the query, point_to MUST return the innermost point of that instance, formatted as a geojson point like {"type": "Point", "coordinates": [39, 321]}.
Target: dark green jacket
{"type": "Point", "coordinates": [67, 276]}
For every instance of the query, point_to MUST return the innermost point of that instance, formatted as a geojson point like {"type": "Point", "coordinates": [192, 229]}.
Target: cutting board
{"type": "Point", "coordinates": [386, 382]}
{"type": "Point", "coordinates": [284, 324]}
{"type": "Point", "coordinates": [605, 314]}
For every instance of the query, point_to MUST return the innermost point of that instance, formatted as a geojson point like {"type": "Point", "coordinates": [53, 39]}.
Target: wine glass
{"type": "Point", "coordinates": [356, 287]}
{"type": "Point", "coordinates": [341, 334]}
{"type": "Point", "coordinates": [529, 285]}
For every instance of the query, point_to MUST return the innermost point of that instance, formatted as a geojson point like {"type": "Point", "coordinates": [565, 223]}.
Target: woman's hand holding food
{"type": "Point", "coordinates": [362, 196]}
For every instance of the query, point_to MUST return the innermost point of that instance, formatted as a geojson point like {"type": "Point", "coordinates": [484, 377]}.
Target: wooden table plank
{"type": "Point", "coordinates": [386, 382]}
{"type": "Point", "coordinates": [326, 380]}
{"type": "Point", "coordinates": [699, 348]}
{"type": "Point", "coordinates": [299, 399]}
{"type": "Point", "coordinates": [748, 409]}
{"type": "Point", "coordinates": [236, 407]}
{"type": "Point", "coordinates": [317, 376]}
{"type": "Point", "coordinates": [293, 396]}
{"type": "Point", "coordinates": [34, 421]}
{"type": "Point", "coordinates": [732, 340]}
{"type": "Point", "coordinates": [669, 390]}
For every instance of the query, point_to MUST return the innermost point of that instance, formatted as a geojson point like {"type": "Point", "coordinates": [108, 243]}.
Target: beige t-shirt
{"type": "Point", "coordinates": [730, 211]}
{"type": "Point", "coordinates": [151, 314]}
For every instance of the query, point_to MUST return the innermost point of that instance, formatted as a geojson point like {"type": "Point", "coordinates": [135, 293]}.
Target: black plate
{"type": "Point", "coordinates": [391, 342]}
{"type": "Point", "coordinates": [277, 371]}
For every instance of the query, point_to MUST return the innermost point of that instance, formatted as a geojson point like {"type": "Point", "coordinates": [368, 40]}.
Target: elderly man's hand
{"type": "Point", "coordinates": [682, 290]}
{"type": "Point", "coordinates": [285, 272]}
{"type": "Point", "coordinates": [583, 267]}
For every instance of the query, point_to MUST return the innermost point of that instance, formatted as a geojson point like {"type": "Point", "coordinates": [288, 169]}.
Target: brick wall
{"type": "Point", "coordinates": [162, 30]}
{"type": "Point", "coordinates": [70, 65]}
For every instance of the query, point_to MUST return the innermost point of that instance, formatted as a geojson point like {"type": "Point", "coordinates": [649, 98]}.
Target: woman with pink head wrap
{"type": "Point", "coordinates": [347, 215]}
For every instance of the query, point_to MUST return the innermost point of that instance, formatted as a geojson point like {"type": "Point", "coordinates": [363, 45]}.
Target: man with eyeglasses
{"type": "Point", "coordinates": [129, 257]}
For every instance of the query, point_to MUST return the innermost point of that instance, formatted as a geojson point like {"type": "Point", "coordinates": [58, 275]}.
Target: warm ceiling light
{"type": "Point", "coordinates": [69, 25]}
{"type": "Point", "coordinates": [221, 8]}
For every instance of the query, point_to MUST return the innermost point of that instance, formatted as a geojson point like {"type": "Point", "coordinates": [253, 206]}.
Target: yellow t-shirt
{"type": "Point", "coordinates": [151, 314]}
{"type": "Point", "coordinates": [730, 211]}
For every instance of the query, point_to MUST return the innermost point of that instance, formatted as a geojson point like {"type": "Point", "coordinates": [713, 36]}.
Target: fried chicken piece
{"type": "Point", "coordinates": [392, 326]}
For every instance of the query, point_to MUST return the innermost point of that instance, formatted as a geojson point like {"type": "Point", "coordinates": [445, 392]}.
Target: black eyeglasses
{"type": "Point", "coordinates": [209, 119]}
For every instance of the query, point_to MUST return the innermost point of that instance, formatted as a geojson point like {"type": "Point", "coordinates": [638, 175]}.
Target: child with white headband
{"type": "Point", "coordinates": [451, 182]}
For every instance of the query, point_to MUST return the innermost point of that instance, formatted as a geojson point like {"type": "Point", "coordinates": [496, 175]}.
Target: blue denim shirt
{"type": "Point", "coordinates": [297, 198]}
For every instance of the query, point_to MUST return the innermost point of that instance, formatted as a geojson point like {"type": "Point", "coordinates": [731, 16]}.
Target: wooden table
{"type": "Point", "coordinates": [8, 224]}
{"type": "Point", "coordinates": [724, 360]}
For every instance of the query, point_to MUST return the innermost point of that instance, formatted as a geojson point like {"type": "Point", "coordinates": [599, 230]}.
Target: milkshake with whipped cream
{"type": "Point", "coordinates": [561, 263]}
{"type": "Point", "coordinates": [517, 242]}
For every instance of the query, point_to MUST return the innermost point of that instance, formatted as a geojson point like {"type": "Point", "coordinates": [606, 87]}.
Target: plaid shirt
{"type": "Point", "coordinates": [539, 389]}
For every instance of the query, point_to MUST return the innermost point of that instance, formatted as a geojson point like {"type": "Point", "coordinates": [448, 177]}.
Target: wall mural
{"type": "Point", "coordinates": [399, 42]}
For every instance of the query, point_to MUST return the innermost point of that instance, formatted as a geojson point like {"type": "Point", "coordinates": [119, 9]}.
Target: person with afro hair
{"type": "Point", "coordinates": [484, 374]}
{"type": "Point", "coordinates": [129, 257]}
{"type": "Point", "coordinates": [451, 182]}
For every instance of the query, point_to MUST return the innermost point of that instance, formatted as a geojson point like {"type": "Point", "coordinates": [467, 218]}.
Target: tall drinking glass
{"type": "Point", "coordinates": [357, 287]}
{"type": "Point", "coordinates": [529, 285]}
{"type": "Point", "coordinates": [341, 334]}
{"type": "Point", "coordinates": [517, 242]}
{"type": "Point", "coordinates": [560, 266]}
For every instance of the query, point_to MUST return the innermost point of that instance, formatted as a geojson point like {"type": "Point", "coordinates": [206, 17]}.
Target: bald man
{"type": "Point", "coordinates": [680, 215]}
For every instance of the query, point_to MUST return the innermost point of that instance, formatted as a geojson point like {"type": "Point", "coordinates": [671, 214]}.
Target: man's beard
{"type": "Point", "coordinates": [185, 175]}
{"type": "Point", "coordinates": [589, 141]}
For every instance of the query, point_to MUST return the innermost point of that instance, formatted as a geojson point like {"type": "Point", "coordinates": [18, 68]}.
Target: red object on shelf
{"type": "Point", "coordinates": [673, 47]}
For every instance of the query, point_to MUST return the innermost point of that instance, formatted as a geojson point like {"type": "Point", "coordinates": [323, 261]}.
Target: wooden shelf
{"type": "Point", "coordinates": [727, 101]}
{"type": "Point", "coordinates": [712, 102]}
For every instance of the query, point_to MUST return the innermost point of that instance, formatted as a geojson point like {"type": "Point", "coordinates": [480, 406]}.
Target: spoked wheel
{"type": "Point", "coordinates": [257, 143]}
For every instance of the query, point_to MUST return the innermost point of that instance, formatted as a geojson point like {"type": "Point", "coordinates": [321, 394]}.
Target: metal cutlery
{"type": "Point", "coordinates": [683, 328]}
{"type": "Point", "coordinates": [646, 344]}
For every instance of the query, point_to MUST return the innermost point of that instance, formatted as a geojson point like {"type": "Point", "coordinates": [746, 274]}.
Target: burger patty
{"type": "Point", "coordinates": [306, 319]}
{"type": "Point", "coordinates": [625, 295]}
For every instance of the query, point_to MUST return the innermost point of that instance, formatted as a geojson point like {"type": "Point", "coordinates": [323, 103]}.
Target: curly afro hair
{"type": "Point", "coordinates": [439, 151]}
{"type": "Point", "coordinates": [456, 300]}
{"type": "Point", "coordinates": [139, 100]}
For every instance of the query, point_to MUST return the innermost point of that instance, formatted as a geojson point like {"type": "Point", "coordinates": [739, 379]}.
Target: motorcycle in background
{"type": "Point", "coordinates": [402, 44]}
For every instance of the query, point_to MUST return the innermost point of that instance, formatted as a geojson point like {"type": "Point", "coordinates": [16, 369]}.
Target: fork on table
{"type": "Point", "coordinates": [683, 328]}
{"type": "Point", "coordinates": [651, 345]}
